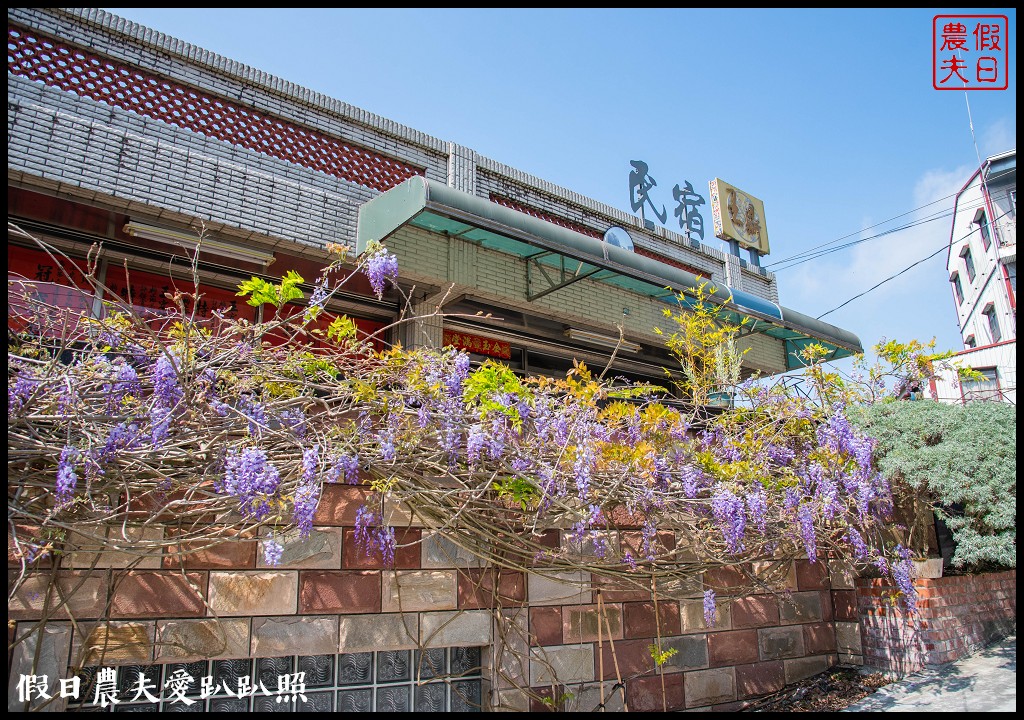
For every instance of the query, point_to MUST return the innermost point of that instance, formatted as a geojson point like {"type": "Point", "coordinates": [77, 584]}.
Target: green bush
{"type": "Point", "coordinates": [961, 456]}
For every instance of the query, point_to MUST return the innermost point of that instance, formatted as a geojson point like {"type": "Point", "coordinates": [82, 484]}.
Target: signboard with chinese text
{"type": "Point", "coordinates": [477, 344]}
{"type": "Point", "coordinates": [36, 282]}
{"type": "Point", "coordinates": [738, 216]}
{"type": "Point", "coordinates": [149, 291]}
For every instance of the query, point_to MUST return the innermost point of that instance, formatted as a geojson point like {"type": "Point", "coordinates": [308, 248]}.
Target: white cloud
{"type": "Point", "coordinates": [917, 304]}
{"type": "Point", "coordinates": [998, 137]}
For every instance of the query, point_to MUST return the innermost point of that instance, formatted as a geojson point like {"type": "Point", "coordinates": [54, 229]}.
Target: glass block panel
{"type": "Point", "coordinates": [316, 702]}
{"type": "Point", "coordinates": [319, 669]}
{"type": "Point", "coordinates": [87, 691]}
{"type": "Point", "coordinates": [466, 696]}
{"type": "Point", "coordinates": [393, 666]}
{"type": "Point", "coordinates": [269, 670]}
{"type": "Point", "coordinates": [429, 664]}
{"type": "Point", "coordinates": [465, 661]}
{"type": "Point", "coordinates": [178, 706]}
{"type": "Point", "coordinates": [227, 672]}
{"type": "Point", "coordinates": [355, 700]}
{"type": "Point", "coordinates": [430, 698]}
{"type": "Point", "coordinates": [269, 703]}
{"type": "Point", "coordinates": [196, 670]}
{"type": "Point", "coordinates": [137, 707]}
{"type": "Point", "coordinates": [355, 668]}
{"type": "Point", "coordinates": [393, 699]}
{"type": "Point", "coordinates": [128, 682]}
{"type": "Point", "coordinates": [229, 704]}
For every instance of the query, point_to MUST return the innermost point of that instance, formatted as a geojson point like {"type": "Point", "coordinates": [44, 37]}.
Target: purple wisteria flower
{"type": "Point", "coordinates": [67, 478]}
{"type": "Point", "coordinates": [371, 534]}
{"type": "Point", "coordinates": [730, 517]}
{"type": "Point", "coordinates": [805, 521]}
{"type": "Point", "coordinates": [381, 267]}
{"type": "Point", "coordinates": [123, 437]}
{"type": "Point", "coordinates": [294, 420]}
{"type": "Point", "coordinates": [167, 392]}
{"type": "Point", "coordinates": [903, 576]}
{"type": "Point", "coordinates": [307, 494]}
{"type": "Point", "coordinates": [249, 477]}
{"type": "Point", "coordinates": [757, 508]}
{"type": "Point", "coordinates": [19, 389]}
{"type": "Point", "coordinates": [709, 608]}
{"type": "Point", "coordinates": [860, 548]}
{"type": "Point", "coordinates": [317, 300]}
{"type": "Point", "coordinates": [476, 441]}
{"type": "Point", "coordinates": [344, 465]}
{"type": "Point", "coordinates": [272, 551]}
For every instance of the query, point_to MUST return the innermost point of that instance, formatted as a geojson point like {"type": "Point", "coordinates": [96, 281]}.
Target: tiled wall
{"type": "Point", "coordinates": [538, 629]}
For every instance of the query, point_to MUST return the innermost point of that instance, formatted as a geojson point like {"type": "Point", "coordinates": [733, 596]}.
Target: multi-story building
{"type": "Point", "coordinates": [120, 135]}
{"type": "Point", "coordinates": [982, 266]}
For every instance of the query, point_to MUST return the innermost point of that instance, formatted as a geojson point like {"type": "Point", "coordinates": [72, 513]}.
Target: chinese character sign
{"type": "Point", "coordinates": [640, 185]}
{"type": "Point", "coordinates": [690, 220]}
{"type": "Point", "coordinates": [970, 52]}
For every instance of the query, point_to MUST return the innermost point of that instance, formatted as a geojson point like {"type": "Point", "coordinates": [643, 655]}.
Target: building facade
{"type": "Point", "coordinates": [122, 135]}
{"type": "Point", "coordinates": [982, 267]}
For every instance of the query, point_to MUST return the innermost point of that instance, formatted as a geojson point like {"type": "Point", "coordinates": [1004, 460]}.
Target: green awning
{"type": "Point", "coordinates": [431, 206]}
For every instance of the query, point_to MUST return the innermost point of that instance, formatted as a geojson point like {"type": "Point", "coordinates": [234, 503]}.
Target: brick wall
{"type": "Point", "coordinates": [958, 615]}
{"type": "Point", "coordinates": [539, 629]}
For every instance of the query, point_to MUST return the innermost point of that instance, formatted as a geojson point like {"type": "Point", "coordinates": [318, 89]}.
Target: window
{"type": "Point", "coordinates": [986, 388]}
{"type": "Point", "coordinates": [965, 253]}
{"type": "Point", "coordinates": [958, 289]}
{"type": "Point", "coordinates": [993, 323]}
{"type": "Point", "coordinates": [986, 234]}
{"type": "Point", "coordinates": [971, 342]}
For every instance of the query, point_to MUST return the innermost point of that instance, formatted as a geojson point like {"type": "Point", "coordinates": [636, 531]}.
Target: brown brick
{"type": "Point", "coordinates": [546, 625]}
{"type": "Point", "coordinates": [726, 580]}
{"type": "Point", "coordinates": [18, 551]}
{"type": "Point", "coordinates": [620, 517]}
{"type": "Point", "coordinates": [732, 647]}
{"type": "Point", "coordinates": [490, 587]}
{"type": "Point", "coordinates": [812, 576]}
{"type": "Point", "coordinates": [639, 622]}
{"type": "Point", "coordinates": [339, 504]}
{"type": "Point", "coordinates": [620, 589]}
{"type": "Point", "coordinates": [819, 638]}
{"type": "Point", "coordinates": [152, 593]}
{"type": "Point", "coordinates": [755, 611]}
{"type": "Point", "coordinates": [407, 552]}
{"type": "Point", "coordinates": [801, 607]}
{"type": "Point", "coordinates": [845, 604]}
{"type": "Point", "coordinates": [780, 642]}
{"type": "Point", "coordinates": [580, 623]}
{"type": "Point", "coordinates": [759, 678]}
{"type": "Point", "coordinates": [634, 658]}
{"type": "Point", "coordinates": [331, 591]}
{"type": "Point", "coordinates": [827, 614]}
{"type": "Point", "coordinates": [647, 694]}
{"type": "Point", "coordinates": [634, 542]}
{"type": "Point", "coordinates": [704, 688]}
{"type": "Point", "coordinates": [234, 554]}
{"type": "Point", "coordinates": [83, 594]}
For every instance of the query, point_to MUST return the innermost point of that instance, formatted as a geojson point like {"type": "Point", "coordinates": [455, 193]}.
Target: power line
{"type": "Point", "coordinates": [945, 246]}
{"type": "Point", "coordinates": [936, 215]}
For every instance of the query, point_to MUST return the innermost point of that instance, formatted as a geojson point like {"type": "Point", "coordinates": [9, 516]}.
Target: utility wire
{"type": "Point", "coordinates": [813, 250]}
{"type": "Point", "coordinates": [945, 246]}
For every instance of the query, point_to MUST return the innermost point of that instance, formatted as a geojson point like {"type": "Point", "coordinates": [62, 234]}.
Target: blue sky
{"type": "Point", "coordinates": [828, 116]}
